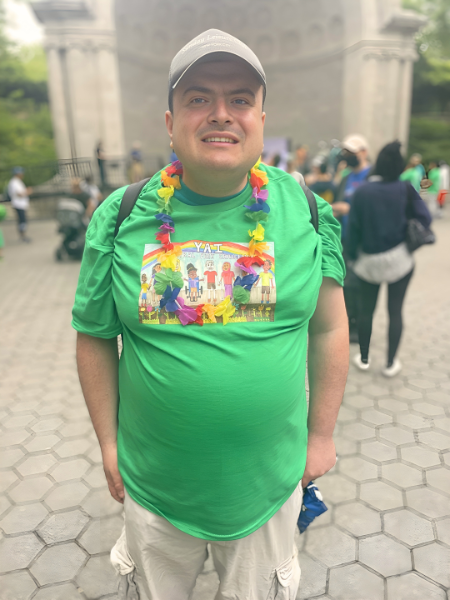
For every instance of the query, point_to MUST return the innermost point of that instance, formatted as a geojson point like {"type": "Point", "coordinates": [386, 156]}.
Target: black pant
{"type": "Point", "coordinates": [367, 301]}
{"type": "Point", "coordinates": [21, 219]}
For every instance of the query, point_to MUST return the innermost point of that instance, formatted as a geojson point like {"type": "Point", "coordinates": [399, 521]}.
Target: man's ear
{"type": "Point", "coordinates": [169, 123]}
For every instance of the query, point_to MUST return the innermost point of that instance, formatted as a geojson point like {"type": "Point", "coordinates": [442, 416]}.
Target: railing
{"type": "Point", "coordinates": [55, 178]}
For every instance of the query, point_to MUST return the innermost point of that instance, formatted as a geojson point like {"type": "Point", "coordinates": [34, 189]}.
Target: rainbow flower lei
{"type": "Point", "coordinates": [169, 283]}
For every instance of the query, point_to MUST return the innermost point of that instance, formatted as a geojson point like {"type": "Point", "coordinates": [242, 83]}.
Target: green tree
{"type": "Point", "coordinates": [430, 122]}
{"type": "Point", "coordinates": [26, 132]}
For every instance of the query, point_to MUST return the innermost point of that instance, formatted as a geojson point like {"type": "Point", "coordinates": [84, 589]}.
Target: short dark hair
{"type": "Point", "coordinates": [390, 163]}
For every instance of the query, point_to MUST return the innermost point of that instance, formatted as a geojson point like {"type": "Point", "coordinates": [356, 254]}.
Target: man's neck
{"type": "Point", "coordinates": [363, 165]}
{"type": "Point", "coordinates": [213, 184]}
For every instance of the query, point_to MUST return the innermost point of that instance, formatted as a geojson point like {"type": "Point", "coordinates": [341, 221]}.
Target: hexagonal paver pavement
{"type": "Point", "coordinates": [70, 469]}
{"type": "Point", "coordinates": [17, 586]}
{"type": "Point", "coordinates": [378, 451]}
{"type": "Point", "coordinates": [98, 577]}
{"type": "Point", "coordinates": [31, 489]}
{"type": "Point", "coordinates": [433, 561]}
{"type": "Point", "coordinates": [58, 563]}
{"type": "Point", "coordinates": [408, 527]}
{"type": "Point", "coordinates": [420, 456]}
{"type": "Point", "coordinates": [67, 495]}
{"type": "Point", "coordinates": [413, 587]}
{"type": "Point", "coordinates": [428, 502]}
{"type": "Point", "coordinates": [101, 535]}
{"type": "Point", "coordinates": [65, 591]}
{"type": "Point", "coordinates": [18, 552]}
{"type": "Point", "coordinates": [357, 468]}
{"type": "Point", "coordinates": [331, 546]}
{"type": "Point", "coordinates": [35, 465]}
{"type": "Point", "coordinates": [23, 518]}
{"type": "Point", "coordinates": [357, 518]}
{"type": "Point", "coordinates": [355, 582]}
{"type": "Point", "coordinates": [63, 526]}
{"type": "Point", "coordinates": [402, 475]}
{"type": "Point", "coordinates": [384, 555]}
{"type": "Point", "coordinates": [381, 495]}
{"type": "Point", "coordinates": [387, 528]}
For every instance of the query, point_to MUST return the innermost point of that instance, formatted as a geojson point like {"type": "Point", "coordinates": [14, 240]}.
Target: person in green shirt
{"type": "Point", "coordinates": [205, 431]}
{"type": "Point", "coordinates": [414, 172]}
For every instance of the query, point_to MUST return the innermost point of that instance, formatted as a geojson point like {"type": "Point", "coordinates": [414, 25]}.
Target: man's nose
{"type": "Point", "coordinates": [220, 112]}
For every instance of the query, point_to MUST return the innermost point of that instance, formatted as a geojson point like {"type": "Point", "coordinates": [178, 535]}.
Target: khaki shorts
{"type": "Point", "coordinates": [211, 286]}
{"type": "Point", "coordinates": [265, 289]}
{"type": "Point", "coordinates": [164, 562]}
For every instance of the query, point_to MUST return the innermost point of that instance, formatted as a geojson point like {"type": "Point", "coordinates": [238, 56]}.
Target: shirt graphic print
{"type": "Point", "coordinates": [209, 271]}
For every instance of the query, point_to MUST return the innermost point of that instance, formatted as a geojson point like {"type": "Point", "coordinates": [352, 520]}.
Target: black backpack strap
{"type": "Point", "coordinates": [312, 205]}
{"type": "Point", "coordinates": [128, 201]}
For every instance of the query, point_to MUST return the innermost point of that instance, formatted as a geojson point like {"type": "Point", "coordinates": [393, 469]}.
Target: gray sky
{"type": "Point", "coordinates": [21, 24]}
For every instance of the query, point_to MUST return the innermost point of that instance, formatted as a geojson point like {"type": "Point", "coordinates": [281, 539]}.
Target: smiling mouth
{"type": "Point", "coordinates": [222, 140]}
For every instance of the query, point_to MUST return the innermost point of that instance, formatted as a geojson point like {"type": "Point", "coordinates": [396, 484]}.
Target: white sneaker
{"type": "Point", "coordinates": [393, 370]}
{"type": "Point", "coordinates": [357, 361]}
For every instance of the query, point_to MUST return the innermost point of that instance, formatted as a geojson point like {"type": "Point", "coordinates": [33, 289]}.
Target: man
{"type": "Point", "coordinates": [212, 441]}
{"type": "Point", "coordinates": [355, 153]}
{"type": "Point", "coordinates": [18, 192]}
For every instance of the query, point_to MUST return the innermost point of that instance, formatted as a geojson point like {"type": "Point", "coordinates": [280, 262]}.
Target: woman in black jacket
{"type": "Point", "coordinates": [376, 242]}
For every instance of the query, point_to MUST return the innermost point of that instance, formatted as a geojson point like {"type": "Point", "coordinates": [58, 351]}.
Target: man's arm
{"type": "Point", "coordinates": [98, 364]}
{"type": "Point", "coordinates": [327, 371]}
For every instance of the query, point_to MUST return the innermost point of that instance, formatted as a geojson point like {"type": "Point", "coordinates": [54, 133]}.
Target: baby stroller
{"type": "Point", "coordinates": [69, 215]}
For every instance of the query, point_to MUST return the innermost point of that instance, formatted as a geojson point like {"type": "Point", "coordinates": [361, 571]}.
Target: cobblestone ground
{"type": "Point", "coordinates": [386, 535]}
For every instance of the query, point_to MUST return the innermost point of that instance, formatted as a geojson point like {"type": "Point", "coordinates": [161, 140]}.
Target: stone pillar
{"type": "Point", "coordinates": [58, 103]}
{"type": "Point", "coordinates": [377, 92]}
{"type": "Point", "coordinates": [83, 77]}
{"type": "Point", "coordinates": [109, 101]}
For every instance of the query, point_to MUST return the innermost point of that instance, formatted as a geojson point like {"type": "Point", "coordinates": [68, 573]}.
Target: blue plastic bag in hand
{"type": "Point", "coordinates": [312, 506]}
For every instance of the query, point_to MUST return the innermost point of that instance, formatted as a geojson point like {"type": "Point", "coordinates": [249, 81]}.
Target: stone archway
{"type": "Point", "coordinates": [333, 66]}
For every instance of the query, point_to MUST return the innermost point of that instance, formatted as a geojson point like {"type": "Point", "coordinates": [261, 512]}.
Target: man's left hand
{"type": "Point", "coordinates": [320, 458]}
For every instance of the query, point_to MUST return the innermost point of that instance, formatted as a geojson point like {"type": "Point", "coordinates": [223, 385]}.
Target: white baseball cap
{"type": "Point", "coordinates": [354, 143]}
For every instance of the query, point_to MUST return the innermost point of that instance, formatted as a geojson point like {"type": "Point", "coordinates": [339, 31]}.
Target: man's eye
{"type": "Point", "coordinates": [198, 100]}
{"type": "Point", "coordinates": [240, 101]}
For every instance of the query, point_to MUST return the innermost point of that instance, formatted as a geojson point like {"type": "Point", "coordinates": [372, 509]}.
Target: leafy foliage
{"type": "Point", "coordinates": [25, 124]}
{"type": "Point", "coordinates": [430, 123]}
{"type": "Point", "coordinates": [430, 137]}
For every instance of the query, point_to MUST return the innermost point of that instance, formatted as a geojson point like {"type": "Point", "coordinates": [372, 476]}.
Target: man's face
{"type": "Point", "coordinates": [209, 266]}
{"type": "Point", "coordinates": [266, 266]}
{"type": "Point", "coordinates": [220, 99]}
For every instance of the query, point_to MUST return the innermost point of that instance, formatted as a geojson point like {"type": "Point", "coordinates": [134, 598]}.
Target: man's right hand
{"type": "Point", "coordinates": [113, 477]}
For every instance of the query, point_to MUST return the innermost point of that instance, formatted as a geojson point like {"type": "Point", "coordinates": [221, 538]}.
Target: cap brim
{"type": "Point", "coordinates": [210, 57]}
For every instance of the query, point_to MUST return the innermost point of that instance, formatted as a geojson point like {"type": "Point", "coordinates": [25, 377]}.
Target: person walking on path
{"type": "Point", "coordinates": [414, 171]}
{"type": "Point", "coordinates": [101, 158]}
{"type": "Point", "coordinates": [19, 195]}
{"type": "Point", "coordinates": [376, 242]}
{"type": "Point", "coordinates": [212, 440]}
{"type": "Point", "coordinates": [355, 152]}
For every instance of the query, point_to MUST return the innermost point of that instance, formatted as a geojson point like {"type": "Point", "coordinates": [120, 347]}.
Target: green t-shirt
{"type": "Point", "coordinates": [212, 420]}
{"type": "Point", "coordinates": [412, 175]}
{"type": "Point", "coordinates": [435, 176]}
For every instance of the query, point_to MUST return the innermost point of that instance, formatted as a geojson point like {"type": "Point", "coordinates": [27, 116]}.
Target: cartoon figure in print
{"type": "Point", "coordinates": [193, 282]}
{"type": "Point", "coordinates": [227, 277]}
{"type": "Point", "coordinates": [210, 275]}
{"type": "Point", "coordinates": [156, 269]}
{"type": "Point", "coordinates": [266, 281]}
{"type": "Point", "coordinates": [144, 290]}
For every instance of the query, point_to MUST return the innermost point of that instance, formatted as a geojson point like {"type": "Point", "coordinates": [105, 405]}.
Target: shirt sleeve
{"type": "Point", "coordinates": [94, 312]}
{"type": "Point", "coordinates": [330, 233]}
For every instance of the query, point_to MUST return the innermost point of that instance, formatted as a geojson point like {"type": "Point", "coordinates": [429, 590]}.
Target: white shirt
{"type": "Point", "coordinates": [16, 187]}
